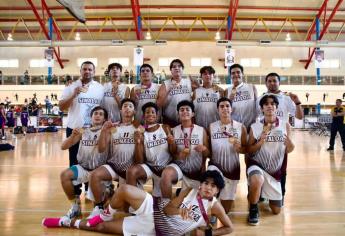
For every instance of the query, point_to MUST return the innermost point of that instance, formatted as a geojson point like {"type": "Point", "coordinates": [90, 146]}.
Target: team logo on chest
{"type": "Point", "coordinates": [242, 96]}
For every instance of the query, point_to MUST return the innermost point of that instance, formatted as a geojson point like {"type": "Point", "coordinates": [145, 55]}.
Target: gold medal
{"type": "Point", "coordinates": [186, 151]}
{"type": "Point", "coordinates": [233, 91]}
{"type": "Point", "coordinates": [113, 129]}
{"type": "Point", "coordinates": [81, 130]}
{"type": "Point", "coordinates": [267, 128]}
{"type": "Point", "coordinates": [232, 140]}
{"type": "Point", "coordinates": [84, 89]}
{"type": "Point", "coordinates": [141, 129]}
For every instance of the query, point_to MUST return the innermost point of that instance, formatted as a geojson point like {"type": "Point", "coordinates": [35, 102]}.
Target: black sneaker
{"type": "Point", "coordinates": [253, 218]}
{"type": "Point", "coordinates": [330, 149]}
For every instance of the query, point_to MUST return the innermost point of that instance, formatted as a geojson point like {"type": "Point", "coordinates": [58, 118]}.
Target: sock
{"type": "Point", "coordinates": [108, 212]}
{"type": "Point", "coordinates": [76, 200]}
{"type": "Point", "coordinates": [77, 223]}
{"type": "Point", "coordinates": [100, 205]}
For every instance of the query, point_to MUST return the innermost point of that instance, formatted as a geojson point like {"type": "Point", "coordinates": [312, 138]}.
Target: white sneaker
{"type": "Point", "coordinates": [13, 136]}
{"type": "Point", "coordinates": [96, 211]}
{"type": "Point", "coordinates": [74, 211]}
{"type": "Point", "coordinates": [75, 7]}
{"type": "Point", "coordinates": [3, 137]}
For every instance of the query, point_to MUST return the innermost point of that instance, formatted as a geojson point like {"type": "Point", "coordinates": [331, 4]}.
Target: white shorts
{"type": "Point", "coordinates": [142, 224]}
{"type": "Point", "coordinates": [186, 182]}
{"type": "Point", "coordinates": [114, 175]}
{"type": "Point", "coordinates": [229, 190]}
{"type": "Point", "coordinates": [155, 178]}
{"type": "Point", "coordinates": [80, 175]}
{"type": "Point", "coordinates": [271, 188]}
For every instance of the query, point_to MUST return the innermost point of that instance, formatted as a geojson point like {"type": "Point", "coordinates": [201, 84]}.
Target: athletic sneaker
{"type": "Point", "coordinates": [56, 222]}
{"type": "Point", "coordinates": [74, 211]}
{"type": "Point", "coordinates": [105, 216]}
{"type": "Point", "coordinates": [253, 218]}
{"type": "Point", "coordinates": [75, 7]}
{"type": "Point", "coordinates": [96, 211]}
{"type": "Point", "coordinates": [330, 149]}
{"type": "Point", "coordinates": [3, 137]}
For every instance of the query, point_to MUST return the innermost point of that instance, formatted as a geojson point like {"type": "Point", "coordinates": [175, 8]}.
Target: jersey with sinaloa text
{"type": "Point", "coordinates": [144, 96]}
{"type": "Point", "coordinates": [109, 102]}
{"type": "Point", "coordinates": [122, 149]}
{"type": "Point", "coordinates": [205, 103]}
{"type": "Point", "coordinates": [88, 155]}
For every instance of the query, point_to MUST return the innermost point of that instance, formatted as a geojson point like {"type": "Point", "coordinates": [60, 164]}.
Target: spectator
{"type": "Point", "coordinates": [7, 103]}
{"type": "Point", "coordinates": [48, 104]}
{"type": "Point", "coordinates": [16, 96]}
{"type": "Point", "coordinates": [68, 80]}
{"type": "Point", "coordinates": [55, 110]}
{"type": "Point", "coordinates": [1, 78]}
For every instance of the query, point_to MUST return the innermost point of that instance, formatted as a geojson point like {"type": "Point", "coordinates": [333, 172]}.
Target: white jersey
{"type": "Point", "coordinates": [205, 103]}
{"type": "Point", "coordinates": [244, 104]}
{"type": "Point", "coordinates": [174, 224]}
{"type": "Point", "coordinates": [285, 108]}
{"type": "Point", "coordinates": [88, 156]}
{"type": "Point", "coordinates": [122, 149]}
{"type": "Point", "coordinates": [192, 165]}
{"type": "Point", "coordinates": [157, 150]}
{"type": "Point", "coordinates": [177, 93]}
{"type": "Point", "coordinates": [224, 155]}
{"type": "Point", "coordinates": [271, 154]}
{"type": "Point", "coordinates": [79, 113]}
{"type": "Point", "coordinates": [109, 102]}
{"type": "Point", "coordinates": [145, 96]}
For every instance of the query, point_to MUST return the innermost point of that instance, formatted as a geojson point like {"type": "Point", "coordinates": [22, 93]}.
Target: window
{"type": "Point", "coordinates": [124, 61]}
{"type": "Point", "coordinates": [165, 61]}
{"type": "Point", "coordinates": [250, 62]}
{"type": "Point", "coordinates": [81, 60]}
{"type": "Point", "coordinates": [282, 62]}
{"type": "Point", "coordinates": [197, 62]}
{"type": "Point", "coordinates": [37, 63]}
{"type": "Point", "coordinates": [9, 63]}
{"type": "Point", "coordinates": [330, 64]}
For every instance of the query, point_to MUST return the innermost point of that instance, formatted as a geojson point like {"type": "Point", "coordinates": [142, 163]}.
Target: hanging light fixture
{"type": "Point", "coordinates": [77, 36]}
{"type": "Point", "coordinates": [288, 37]}
{"type": "Point", "coordinates": [9, 37]}
{"type": "Point", "coordinates": [148, 35]}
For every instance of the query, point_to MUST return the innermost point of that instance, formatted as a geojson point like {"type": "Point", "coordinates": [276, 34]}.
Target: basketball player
{"type": "Point", "coordinates": [172, 92]}
{"type": "Point", "coordinates": [269, 140]}
{"type": "Point", "coordinates": [205, 98]}
{"type": "Point", "coordinates": [2, 121]}
{"type": "Point", "coordinates": [155, 216]}
{"type": "Point", "coordinates": [156, 155]}
{"type": "Point", "coordinates": [145, 92]}
{"type": "Point", "coordinates": [123, 141]}
{"type": "Point", "coordinates": [228, 139]}
{"type": "Point", "coordinates": [114, 92]}
{"type": "Point", "coordinates": [88, 158]}
{"type": "Point", "coordinates": [189, 150]}
{"type": "Point", "coordinates": [80, 98]}
{"type": "Point", "coordinates": [11, 120]}
{"type": "Point", "coordinates": [25, 119]}
{"type": "Point", "coordinates": [289, 105]}
{"type": "Point", "coordinates": [242, 96]}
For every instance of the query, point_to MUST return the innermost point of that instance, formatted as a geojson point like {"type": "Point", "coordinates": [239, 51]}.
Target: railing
{"type": "Point", "coordinates": [219, 79]}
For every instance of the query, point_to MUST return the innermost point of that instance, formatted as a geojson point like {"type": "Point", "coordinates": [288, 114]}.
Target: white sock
{"type": "Point", "coordinates": [108, 212]}
{"type": "Point", "coordinates": [77, 223]}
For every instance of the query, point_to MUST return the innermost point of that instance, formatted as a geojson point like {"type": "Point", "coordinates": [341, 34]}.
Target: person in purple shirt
{"type": "Point", "coordinates": [10, 116]}
{"type": "Point", "coordinates": [24, 118]}
{"type": "Point", "coordinates": [2, 121]}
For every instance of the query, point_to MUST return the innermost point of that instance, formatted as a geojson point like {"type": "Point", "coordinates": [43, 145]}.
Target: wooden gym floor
{"type": "Point", "coordinates": [315, 201]}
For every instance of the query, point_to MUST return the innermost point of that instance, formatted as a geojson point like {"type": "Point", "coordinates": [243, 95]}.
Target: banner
{"type": "Point", "coordinates": [229, 57]}
{"type": "Point", "coordinates": [319, 58]}
{"type": "Point", "coordinates": [49, 57]}
{"type": "Point", "coordinates": [50, 121]}
{"type": "Point", "coordinates": [138, 56]}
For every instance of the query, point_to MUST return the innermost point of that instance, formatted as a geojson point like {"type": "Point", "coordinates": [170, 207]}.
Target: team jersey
{"type": "Point", "coordinates": [88, 156]}
{"type": "Point", "coordinates": [24, 117]}
{"type": "Point", "coordinates": [2, 117]}
{"type": "Point", "coordinates": [174, 224]}
{"type": "Point", "coordinates": [285, 108]}
{"type": "Point", "coordinates": [224, 155]}
{"type": "Point", "coordinates": [109, 102]}
{"type": "Point", "coordinates": [270, 156]}
{"type": "Point", "coordinates": [156, 150]}
{"type": "Point", "coordinates": [182, 91]}
{"type": "Point", "coordinates": [189, 138]}
{"type": "Point", "coordinates": [244, 104]}
{"type": "Point", "coordinates": [122, 149]}
{"type": "Point", "coordinates": [10, 117]}
{"type": "Point", "coordinates": [205, 103]}
{"type": "Point", "coordinates": [79, 113]}
{"type": "Point", "coordinates": [146, 95]}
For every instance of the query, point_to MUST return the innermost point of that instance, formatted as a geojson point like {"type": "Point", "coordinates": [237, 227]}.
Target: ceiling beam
{"type": "Point", "coordinates": [40, 21]}
{"type": "Point", "coordinates": [137, 18]}
{"type": "Point", "coordinates": [231, 18]}
{"type": "Point", "coordinates": [325, 28]}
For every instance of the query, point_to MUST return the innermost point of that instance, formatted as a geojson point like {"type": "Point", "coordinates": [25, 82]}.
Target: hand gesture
{"type": "Point", "coordinates": [107, 125]}
{"type": "Point", "coordinates": [294, 98]}
{"type": "Point", "coordinates": [138, 137]}
{"type": "Point", "coordinates": [170, 139]}
{"type": "Point", "coordinates": [200, 148]}
{"type": "Point", "coordinates": [184, 213]}
{"type": "Point", "coordinates": [77, 131]}
{"type": "Point", "coordinates": [237, 145]}
{"type": "Point", "coordinates": [287, 141]}
{"type": "Point", "coordinates": [77, 90]}
{"type": "Point", "coordinates": [263, 137]}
